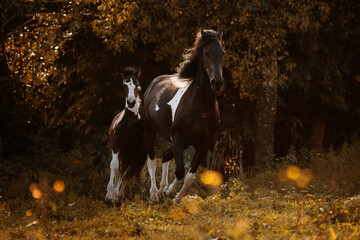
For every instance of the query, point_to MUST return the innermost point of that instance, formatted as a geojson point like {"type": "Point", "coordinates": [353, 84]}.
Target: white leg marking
{"type": "Point", "coordinates": [122, 190]}
{"type": "Point", "coordinates": [170, 192]}
{"type": "Point", "coordinates": [164, 178]}
{"type": "Point", "coordinates": [114, 175]}
{"type": "Point", "coordinates": [151, 163]}
{"type": "Point", "coordinates": [189, 179]}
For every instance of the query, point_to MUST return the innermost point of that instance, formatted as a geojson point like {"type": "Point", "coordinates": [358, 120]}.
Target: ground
{"type": "Point", "coordinates": [264, 204]}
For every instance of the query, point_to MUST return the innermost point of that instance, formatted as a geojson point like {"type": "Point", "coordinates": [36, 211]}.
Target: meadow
{"type": "Point", "coordinates": [271, 203]}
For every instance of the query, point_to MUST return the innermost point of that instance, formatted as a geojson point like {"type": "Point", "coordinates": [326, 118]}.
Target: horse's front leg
{"type": "Point", "coordinates": [179, 169]}
{"type": "Point", "coordinates": [190, 176]}
{"type": "Point", "coordinates": [151, 163]}
{"type": "Point", "coordinates": [164, 184]}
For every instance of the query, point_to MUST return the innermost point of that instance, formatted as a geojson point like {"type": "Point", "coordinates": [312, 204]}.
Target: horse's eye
{"type": "Point", "coordinates": [206, 53]}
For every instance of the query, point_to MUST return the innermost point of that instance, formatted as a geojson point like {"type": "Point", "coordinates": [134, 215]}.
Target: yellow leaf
{"type": "Point", "coordinates": [333, 235]}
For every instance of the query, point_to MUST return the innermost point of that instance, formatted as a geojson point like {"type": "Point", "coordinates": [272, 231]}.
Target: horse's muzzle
{"type": "Point", "coordinates": [217, 84]}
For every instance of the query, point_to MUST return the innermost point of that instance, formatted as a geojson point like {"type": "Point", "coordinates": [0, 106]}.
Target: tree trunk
{"type": "Point", "coordinates": [265, 112]}
{"type": "Point", "coordinates": [317, 133]}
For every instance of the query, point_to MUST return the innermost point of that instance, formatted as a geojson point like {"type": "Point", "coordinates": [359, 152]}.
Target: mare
{"type": "Point", "coordinates": [126, 136]}
{"type": "Point", "coordinates": [182, 108]}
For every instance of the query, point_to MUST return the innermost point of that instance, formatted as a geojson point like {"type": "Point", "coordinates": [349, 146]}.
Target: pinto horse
{"type": "Point", "coordinates": [126, 141]}
{"type": "Point", "coordinates": [182, 108]}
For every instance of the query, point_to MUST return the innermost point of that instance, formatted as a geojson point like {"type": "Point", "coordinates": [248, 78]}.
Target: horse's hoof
{"type": "Point", "coordinates": [159, 194]}
{"type": "Point", "coordinates": [176, 201]}
{"type": "Point", "coordinates": [165, 191]}
{"type": "Point", "coordinates": [112, 203]}
{"type": "Point", "coordinates": [154, 197]}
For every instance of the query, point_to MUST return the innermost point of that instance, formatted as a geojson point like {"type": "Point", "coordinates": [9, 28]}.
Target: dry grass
{"type": "Point", "coordinates": [260, 207]}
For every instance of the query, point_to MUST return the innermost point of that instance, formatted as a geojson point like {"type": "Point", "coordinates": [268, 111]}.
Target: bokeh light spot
{"type": "Point", "coordinates": [212, 178]}
{"type": "Point", "coordinates": [59, 186]}
{"type": "Point", "coordinates": [33, 186]}
{"type": "Point", "coordinates": [36, 193]}
{"type": "Point", "coordinates": [28, 213]}
{"type": "Point", "coordinates": [293, 172]}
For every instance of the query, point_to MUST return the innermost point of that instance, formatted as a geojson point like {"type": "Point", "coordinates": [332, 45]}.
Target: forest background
{"type": "Point", "coordinates": [292, 71]}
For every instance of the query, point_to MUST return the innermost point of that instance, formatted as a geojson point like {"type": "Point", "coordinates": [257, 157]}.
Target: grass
{"type": "Point", "coordinates": [259, 207]}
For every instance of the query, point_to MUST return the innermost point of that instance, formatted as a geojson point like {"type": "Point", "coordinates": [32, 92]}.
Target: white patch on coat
{"type": "Point", "coordinates": [118, 120]}
{"type": "Point", "coordinates": [158, 95]}
{"type": "Point", "coordinates": [174, 102]}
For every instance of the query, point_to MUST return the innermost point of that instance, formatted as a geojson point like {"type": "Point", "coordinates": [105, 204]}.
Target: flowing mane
{"type": "Point", "coordinates": [187, 69]}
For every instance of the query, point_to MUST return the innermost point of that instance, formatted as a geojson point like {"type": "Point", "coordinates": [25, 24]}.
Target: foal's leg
{"type": "Point", "coordinates": [167, 156]}
{"type": "Point", "coordinates": [114, 178]}
{"type": "Point", "coordinates": [151, 163]}
{"type": "Point", "coordinates": [190, 176]}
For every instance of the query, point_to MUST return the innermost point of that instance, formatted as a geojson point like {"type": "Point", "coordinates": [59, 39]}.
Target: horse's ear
{"type": "Point", "coordinates": [202, 32]}
{"type": "Point", "coordinates": [220, 33]}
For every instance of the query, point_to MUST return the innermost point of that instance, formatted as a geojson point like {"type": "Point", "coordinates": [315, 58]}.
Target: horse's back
{"type": "Point", "coordinates": [160, 102]}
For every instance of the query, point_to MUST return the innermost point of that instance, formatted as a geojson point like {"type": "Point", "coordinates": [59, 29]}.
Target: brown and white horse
{"type": "Point", "coordinates": [126, 141]}
{"type": "Point", "coordinates": [182, 108]}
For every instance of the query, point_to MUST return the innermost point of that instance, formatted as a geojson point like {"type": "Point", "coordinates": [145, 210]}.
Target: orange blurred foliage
{"type": "Point", "coordinates": [178, 214]}
{"type": "Point", "coordinates": [192, 206]}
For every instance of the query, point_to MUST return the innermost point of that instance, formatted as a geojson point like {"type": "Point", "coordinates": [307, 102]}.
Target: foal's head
{"type": "Point", "coordinates": [132, 88]}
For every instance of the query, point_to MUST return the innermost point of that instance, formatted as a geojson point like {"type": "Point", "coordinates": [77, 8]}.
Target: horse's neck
{"type": "Point", "coordinates": [203, 91]}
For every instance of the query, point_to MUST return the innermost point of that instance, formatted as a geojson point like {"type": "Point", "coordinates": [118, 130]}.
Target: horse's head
{"type": "Point", "coordinates": [213, 57]}
{"type": "Point", "coordinates": [132, 86]}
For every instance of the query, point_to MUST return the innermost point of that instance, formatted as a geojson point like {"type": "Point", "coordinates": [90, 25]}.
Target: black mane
{"type": "Point", "coordinates": [187, 69]}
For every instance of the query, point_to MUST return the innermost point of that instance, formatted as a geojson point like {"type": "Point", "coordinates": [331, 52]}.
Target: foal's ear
{"type": "Point", "coordinates": [220, 33]}
{"type": "Point", "coordinates": [202, 32]}
{"type": "Point", "coordinates": [138, 73]}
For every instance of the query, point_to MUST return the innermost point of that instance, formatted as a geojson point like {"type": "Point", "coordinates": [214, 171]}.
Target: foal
{"type": "Point", "coordinates": [126, 141]}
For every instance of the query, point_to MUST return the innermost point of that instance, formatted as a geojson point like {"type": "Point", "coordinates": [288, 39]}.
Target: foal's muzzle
{"type": "Point", "coordinates": [130, 103]}
{"type": "Point", "coordinates": [217, 84]}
